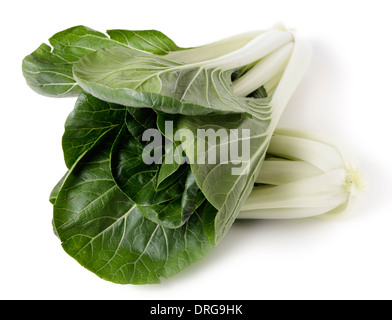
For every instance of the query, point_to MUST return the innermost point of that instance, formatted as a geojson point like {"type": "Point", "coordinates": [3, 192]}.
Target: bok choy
{"type": "Point", "coordinates": [167, 146]}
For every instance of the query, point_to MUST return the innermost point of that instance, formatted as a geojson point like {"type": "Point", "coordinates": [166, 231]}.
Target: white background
{"type": "Point", "coordinates": [346, 95]}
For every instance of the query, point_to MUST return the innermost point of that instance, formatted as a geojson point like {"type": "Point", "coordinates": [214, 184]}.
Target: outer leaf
{"type": "Point", "coordinates": [140, 79]}
{"type": "Point", "coordinates": [105, 232]}
{"type": "Point", "coordinates": [173, 149]}
{"type": "Point", "coordinates": [90, 121]}
{"type": "Point", "coordinates": [223, 189]}
{"type": "Point", "coordinates": [48, 70]}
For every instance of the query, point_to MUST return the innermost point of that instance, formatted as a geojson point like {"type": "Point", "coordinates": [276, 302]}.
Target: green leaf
{"type": "Point", "coordinates": [105, 232]}
{"type": "Point", "coordinates": [93, 120]}
{"type": "Point", "coordinates": [223, 189]}
{"type": "Point", "coordinates": [57, 188]}
{"type": "Point", "coordinates": [146, 40]}
{"type": "Point", "coordinates": [90, 121]}
{"type": "Point", "coordinates": [140, 120]}
{"type": "Point", "coordinates": [141, 79]}
{"type": "Point", "coordinates": [172, 166]}
{"type": "Point", "coordinates": [174, 159]}
{"type": "Point", "coordinates": [48, 70]}
{"type": "Point", "coordinates": [174, 213]}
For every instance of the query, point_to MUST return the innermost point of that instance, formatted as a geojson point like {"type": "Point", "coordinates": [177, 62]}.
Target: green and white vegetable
{"type": "Point", "coordinates": [130, 221]}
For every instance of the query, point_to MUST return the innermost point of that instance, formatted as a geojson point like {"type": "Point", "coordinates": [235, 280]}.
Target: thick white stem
{"type": "Point", "coordinates": [292, 76]}
{"type": "Point", "coordinates": [254, 50]}
{"type": "Point", "coordinates": [303, 193]}
{"type": "Point", "coordinates": [213, 50]}
{"type": "Point", "coordinates": [278, 171]}
{"type": "Point", "coordinates": [318, 154]}
{"type": "Point", "coordinates": [264, 70]}
{"type": "Point", "coordinates": [326, 191]}
{"type": "Point", "coordinates": [271, 85]}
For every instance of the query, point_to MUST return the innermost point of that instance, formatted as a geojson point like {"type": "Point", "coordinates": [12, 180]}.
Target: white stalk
{"type": "Point", "coordinates": [214, 49]}
{"type": "Point", "coordinates": [258, 45]}
{"type": "Point", "coordinates": [317, 182]}
{"type": "Point", "coordinates": [278, 171]}
{"type": "Point", "coordinates": [319, 154]}
{"type": "Point", "coordinates": [273, 50]}
{"type": "Point", "coordinates": [254, 50]}
{"type": "Point", "coordinates": [292, 76]}
{"type": "Point", "coordinates": [265, 70]}
{"type": "Point", "coordinates": [271, 84]}
{"type": "Point", "coordinates": [323, 190]}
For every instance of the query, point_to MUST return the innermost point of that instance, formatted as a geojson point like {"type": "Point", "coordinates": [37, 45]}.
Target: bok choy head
{"type": "Point", "coordinates": [132, 221]}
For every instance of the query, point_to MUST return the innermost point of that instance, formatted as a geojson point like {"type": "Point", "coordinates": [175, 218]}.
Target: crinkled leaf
{"type": "Point", "coordinates": [105, 232]}
{"type": "Point", "coordinates": [134, 176]}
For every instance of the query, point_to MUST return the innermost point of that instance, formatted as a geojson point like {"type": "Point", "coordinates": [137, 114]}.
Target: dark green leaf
{"type": "Point", "coordinates": [105, 232]}
{"type": "Point", "coordinates": [90, 121]}
{"type": "Point", "coordinates": [137, 178]}
{"type": "Point", "coordinates": [147, 40]}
